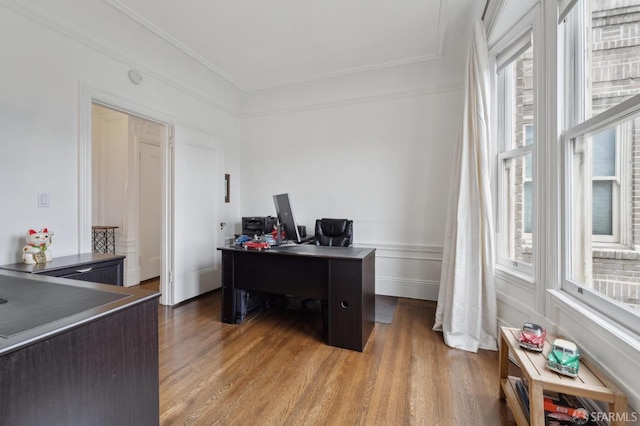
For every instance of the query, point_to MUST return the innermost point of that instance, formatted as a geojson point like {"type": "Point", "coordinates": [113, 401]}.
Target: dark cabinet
{"type": "Point", "coordinates": [93, 267]}
{"type": "Point", "coordinates": [93, 361]}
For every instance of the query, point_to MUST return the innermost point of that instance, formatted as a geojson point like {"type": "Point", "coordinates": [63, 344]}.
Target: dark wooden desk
{"type": "Point", "coordinates": [343, 276]}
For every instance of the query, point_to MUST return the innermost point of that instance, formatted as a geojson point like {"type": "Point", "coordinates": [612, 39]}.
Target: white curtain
{"type": "Point", "coordinates": [466, 312]}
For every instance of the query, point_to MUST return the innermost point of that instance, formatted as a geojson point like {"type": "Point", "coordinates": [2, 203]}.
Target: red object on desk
{"type": "Point", "coordinates": [256, 245]}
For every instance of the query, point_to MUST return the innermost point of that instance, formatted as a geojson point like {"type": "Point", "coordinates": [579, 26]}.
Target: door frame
{"type": "Point", "coordinates": [87, 96]}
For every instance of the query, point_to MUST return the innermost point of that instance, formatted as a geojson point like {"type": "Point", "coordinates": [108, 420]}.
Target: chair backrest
{"type": "Point", "coordinates": [334, 232]}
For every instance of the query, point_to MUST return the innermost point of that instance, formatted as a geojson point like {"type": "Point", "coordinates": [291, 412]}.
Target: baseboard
{"type": "Point", "coordinates": [413, 289]}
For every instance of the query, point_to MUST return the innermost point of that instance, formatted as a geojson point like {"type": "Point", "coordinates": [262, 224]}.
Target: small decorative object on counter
{"type": "Point", "coordinates": [37, 248]}
{"type": "Point", "coordinates": [258, 242]}
{"type": "Point", "coordinates": [564, 358]}
{"type": "Point", "coordinates": [532, 337]}
{"type": "Point", "coordinates": [256, 245]}
{"type": "Point", "coordinates": [241, 240]}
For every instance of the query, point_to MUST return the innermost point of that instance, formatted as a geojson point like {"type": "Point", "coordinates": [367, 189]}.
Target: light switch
{"type": "Point", "coordinates": [43, 200]}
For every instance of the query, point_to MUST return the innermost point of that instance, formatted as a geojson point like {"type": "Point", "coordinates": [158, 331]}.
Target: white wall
{"type": "Point", "coordinates": [383, 163]}
{"type": "Point", "coordinates": [395, 125]}
{"type": "Point", "coordinates": [373, 146]}
{"type": "Point", "coordinates": [53, 50]}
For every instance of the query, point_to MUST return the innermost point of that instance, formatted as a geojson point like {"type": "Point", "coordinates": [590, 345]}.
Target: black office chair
{"type": "Point", "coordinates": [334, 232]}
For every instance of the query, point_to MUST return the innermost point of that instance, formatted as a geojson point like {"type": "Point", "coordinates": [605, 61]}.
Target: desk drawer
{"type": "Point", "coordinates": [93, 267]}
{"type": "Point", "coordinates": [104, 274]}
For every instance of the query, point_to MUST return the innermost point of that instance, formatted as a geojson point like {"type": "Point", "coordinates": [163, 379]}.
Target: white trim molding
{"type": "Point", "coordinates": [90, 42]}
{"type": "Point", "coordinates": [87, 95]}
{"type": "Point", "coordinates": [407, 270]}
{"type": "Point", "coordinates": [405, 251]}
{"type": "Point", "coordinates": [351, 101]}
{"type": "Point", "coordinates": [141, 20]}
{"type": "Point", "coordinates": [610, 348]}
{"type": "Point", "coordinates": [413, 289]}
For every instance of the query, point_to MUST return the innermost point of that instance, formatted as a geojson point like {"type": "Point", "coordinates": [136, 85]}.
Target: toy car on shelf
{"type": "Point", "coordinates": [532, 337]}
{"type": "Point", "coordinates": [564, 358]}
{"type": "Point", "coordinates": [564, 413]}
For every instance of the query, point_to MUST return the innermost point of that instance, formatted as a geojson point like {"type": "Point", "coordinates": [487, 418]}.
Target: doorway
{"type": "Point", "coordinates": [150, 206]}
{"type": "Point", "coordinates": [126, 187]}
{"type": "Point", "coordinates": [189, 157]}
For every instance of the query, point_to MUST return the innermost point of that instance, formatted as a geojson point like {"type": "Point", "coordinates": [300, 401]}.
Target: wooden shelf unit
{"type": "Point", "coordinates": [590, 383]}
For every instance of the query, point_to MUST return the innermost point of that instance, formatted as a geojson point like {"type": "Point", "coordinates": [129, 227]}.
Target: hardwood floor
{"type": "Point", "coordinates": [275, 369]}
{"type": "Point", "coordinates": [152, 284]}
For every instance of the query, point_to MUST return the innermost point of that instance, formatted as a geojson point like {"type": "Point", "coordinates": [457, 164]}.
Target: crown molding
{"type": "Point", "coordinates": [351, 101]}
{"type": "Point", "coordinates": [88, 41]}
{"type": "Point", "coordinates": [91, 43]}
{"type": "Point", "coordinates": [326, 76]}
{"type": "Point", "coordinates": [139, 19]}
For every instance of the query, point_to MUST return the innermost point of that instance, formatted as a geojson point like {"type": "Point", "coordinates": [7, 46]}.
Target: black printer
{"type": "Point", "coordinates": [258, 225]}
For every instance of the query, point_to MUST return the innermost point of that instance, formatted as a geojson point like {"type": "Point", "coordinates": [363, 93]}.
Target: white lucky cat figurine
{"type": "Point", "coordinates": [37, 248]}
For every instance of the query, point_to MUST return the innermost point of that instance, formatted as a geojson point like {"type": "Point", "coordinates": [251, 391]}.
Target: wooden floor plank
{"type": "Point", "coordinates": [276, 369]}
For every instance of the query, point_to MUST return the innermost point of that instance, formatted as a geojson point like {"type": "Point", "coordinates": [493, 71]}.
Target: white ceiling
{"type": "Point", "coordinates": [256, 44]}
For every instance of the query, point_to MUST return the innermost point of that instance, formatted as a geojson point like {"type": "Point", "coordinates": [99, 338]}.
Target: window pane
{"type": "Point", "coordinates": [606, 42]}
{"type": "Point", "coordinates": [602, 216]}
{"type": "Point", "coordinates": [528, 134]}
{"type": "Point", "coordinates": [516, 98]}
{"type": "Point", "coordinates": [604, 153]}
{"type": "Point", "coordinates": [614, 47]}
{"type": "Point", "coordinates": [528, 210]}
{"type": "Point", "coordinates": [604, 211]}
{"type": "Point", "coordinates": [518, 209]}
{"type": "Point", "coordinates": [521, 114]}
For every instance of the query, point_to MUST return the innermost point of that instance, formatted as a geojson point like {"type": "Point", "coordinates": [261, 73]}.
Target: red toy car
{"type": "Point", "coordinates": [256, 245]}
{"type": "Point", "coordinates": [532, 337]}
{"type": "Point", "coordinates": [568, 414]}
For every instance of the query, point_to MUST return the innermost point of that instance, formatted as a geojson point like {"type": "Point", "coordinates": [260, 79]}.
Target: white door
{"type": "Point", "coordinates": [150, 238]}
{"type": "Point", "coordinates": [197, 198]}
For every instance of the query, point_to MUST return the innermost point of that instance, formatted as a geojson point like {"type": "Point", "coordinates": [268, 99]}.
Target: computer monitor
{"type": "Point", "coordinates": [285, 217]}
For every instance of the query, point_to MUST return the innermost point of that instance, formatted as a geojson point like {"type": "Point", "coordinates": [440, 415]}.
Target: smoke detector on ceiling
{"type": "Point", "coordinates": [135, 76]}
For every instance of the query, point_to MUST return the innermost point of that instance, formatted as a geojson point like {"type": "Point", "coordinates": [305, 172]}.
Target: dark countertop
{"type": "Point", "coordinates": [77, 260]}
{"type": "Point", "coordinates": [310, 250]}
{"type": "Point", "coordinates": [39, 307]}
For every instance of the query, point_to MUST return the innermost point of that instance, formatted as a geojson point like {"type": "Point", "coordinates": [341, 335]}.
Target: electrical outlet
{"type": "Point", "coordinates": [43, 200]}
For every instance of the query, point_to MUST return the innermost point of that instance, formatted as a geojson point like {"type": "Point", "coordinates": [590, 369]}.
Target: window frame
{"type": "Point", "coordinates": [526, 234]}
{"type": "Point", "coordinates": [626, 317]}
{"type": "Point", "coordinates": [512, 49]}
{"type": "Point", "coordinates": [574, 36]}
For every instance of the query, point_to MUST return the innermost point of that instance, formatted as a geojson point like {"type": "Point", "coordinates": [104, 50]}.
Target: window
{"type": "Point", "coordinates": [602, 139]}
{"type": "Point", "coordinates": [528, 184]}
{"type": "Point", "coordinates": [612, 186]}
{"type": "Point", "coordinates": [515, 160]}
